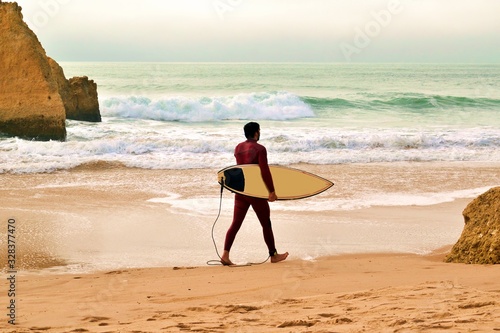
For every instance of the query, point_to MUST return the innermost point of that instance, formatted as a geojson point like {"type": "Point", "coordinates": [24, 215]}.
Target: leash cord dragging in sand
{"type": "Point", "coordinates": [219, 262]}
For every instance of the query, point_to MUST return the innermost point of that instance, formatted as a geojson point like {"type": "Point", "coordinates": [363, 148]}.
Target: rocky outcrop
{"type": "Point", "coordinates": [480, 239]}
{"type": "Point", "coordinates": [30, 104]}
{"type": "Point", "coordinates": [35, 96]}
{"type": "Point", "coordinates": [84, 96]}
{"type": "Point", "coordinates": [79, 95]}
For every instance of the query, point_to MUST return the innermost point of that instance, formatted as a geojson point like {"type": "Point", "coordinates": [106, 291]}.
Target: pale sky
{"type": "Point", "coordinates": [268, 30]}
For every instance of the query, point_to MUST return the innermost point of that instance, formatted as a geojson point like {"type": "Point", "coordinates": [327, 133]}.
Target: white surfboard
{"type": "Point", "coordinates": [289, 183]}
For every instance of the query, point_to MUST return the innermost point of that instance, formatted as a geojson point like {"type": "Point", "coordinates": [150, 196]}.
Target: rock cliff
{"type": "Point", "coordinates": [30, 104]}
{"type": "Point", "coordinates": [79, 95]}
{"type": "Point", "coordinates": [35, 96]}
{"type": "Point", "coordinates": [480, 239]}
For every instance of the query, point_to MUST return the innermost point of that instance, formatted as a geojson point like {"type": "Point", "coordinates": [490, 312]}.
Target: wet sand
{"type": "Point", "coordinates": [95, 254]}
{"type": "Point", "coordinates": [105, 216]}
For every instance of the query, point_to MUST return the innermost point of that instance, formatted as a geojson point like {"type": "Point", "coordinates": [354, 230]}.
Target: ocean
{"type": "Point", "coordinates": [190, 115]}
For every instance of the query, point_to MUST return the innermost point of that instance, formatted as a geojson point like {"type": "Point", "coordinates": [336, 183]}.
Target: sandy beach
{"type": "Point", "coordinates": [351, 293]}
{"type": "Point", "coordinates": [95, 254]}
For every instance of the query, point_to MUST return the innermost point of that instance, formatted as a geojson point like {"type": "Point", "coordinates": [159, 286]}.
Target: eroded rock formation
{"type": "Point", "coordinates": [480, 239]}
{"type": "Point", "coordinates": [30, 104]}
{"type": "Point", "coordinates": [79, 95]}
{"type": "Point", "coordinates": [35, 96]}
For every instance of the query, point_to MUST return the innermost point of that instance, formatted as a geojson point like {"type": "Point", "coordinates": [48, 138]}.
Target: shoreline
{"type": "Point", "coordinates": [97, 217]}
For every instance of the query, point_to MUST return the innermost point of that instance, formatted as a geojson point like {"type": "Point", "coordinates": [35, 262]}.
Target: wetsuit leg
{"type": "Point", "coordinates": [241, 206]}
{"type": "Point", "coordinates": [261, 208]}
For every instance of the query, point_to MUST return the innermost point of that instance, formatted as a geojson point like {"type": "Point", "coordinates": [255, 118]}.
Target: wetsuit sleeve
{"type": "Point", "coordinates": [264, 170]}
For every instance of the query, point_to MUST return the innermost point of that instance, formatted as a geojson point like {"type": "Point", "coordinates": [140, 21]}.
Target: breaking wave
{"type": "Point", "coordinates": [262, 106]}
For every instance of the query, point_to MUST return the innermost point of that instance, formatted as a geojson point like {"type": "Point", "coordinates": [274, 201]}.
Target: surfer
{"type": "Point", "coordinates": [251, 152]}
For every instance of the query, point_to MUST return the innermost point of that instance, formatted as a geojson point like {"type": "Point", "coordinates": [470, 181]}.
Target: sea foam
{"type": "Point", "coordinates": [165, 145]}
{"type": "Point", "coordinates": [181, 116]}
{"type": "Point", "coordinates": [269, 106]}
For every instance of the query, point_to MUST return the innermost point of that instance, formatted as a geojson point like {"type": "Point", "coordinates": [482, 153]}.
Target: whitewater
{"type": "Point", "coordinates": [184, 116]}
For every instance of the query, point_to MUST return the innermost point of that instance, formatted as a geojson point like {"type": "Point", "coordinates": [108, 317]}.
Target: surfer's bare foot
{"type": "Point", "coordinates": [279, 257]}
{"type": "Point", "coordinates": [225, 259]}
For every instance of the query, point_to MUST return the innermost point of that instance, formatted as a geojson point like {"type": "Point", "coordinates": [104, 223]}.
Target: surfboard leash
{"type": "Point", "coordinates": [216, 262]}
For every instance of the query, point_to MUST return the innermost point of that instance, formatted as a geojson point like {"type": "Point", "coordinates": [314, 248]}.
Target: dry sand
{"type": "Point", "coordinates": [352, 293]}
{"type": "Point", "coordinates": [346, 293]}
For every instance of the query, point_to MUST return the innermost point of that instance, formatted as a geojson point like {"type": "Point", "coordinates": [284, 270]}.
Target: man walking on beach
{"type": "Point", "coordinates": [251, 152]}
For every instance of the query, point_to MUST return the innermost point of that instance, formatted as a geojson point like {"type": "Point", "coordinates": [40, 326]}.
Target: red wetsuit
{"type": "Point", "coordinates": [250, 152]}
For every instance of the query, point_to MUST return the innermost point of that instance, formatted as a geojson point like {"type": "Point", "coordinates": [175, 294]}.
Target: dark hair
{"type": "Point", "coordinates": [250, 129]}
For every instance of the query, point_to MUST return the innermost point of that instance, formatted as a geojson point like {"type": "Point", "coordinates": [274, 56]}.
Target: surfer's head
{"type": "Point", "coordinates": [250, 129]}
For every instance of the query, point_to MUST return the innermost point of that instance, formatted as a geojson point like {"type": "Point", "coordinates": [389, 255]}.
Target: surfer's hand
{"type": "Point", "coordinates": [272, 197]}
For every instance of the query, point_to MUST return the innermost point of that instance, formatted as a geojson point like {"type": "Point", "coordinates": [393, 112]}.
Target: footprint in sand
{"type": "Point", "coordinates": [239, 308]}
{"type": "Point", "coordinates": [40, 328]}
{"type": "Point", "coordinates": [95, 319]}
{"type": "Point", "coordinates": [294, 323]}
{"type": "Point", "coordinates": [475, 305]}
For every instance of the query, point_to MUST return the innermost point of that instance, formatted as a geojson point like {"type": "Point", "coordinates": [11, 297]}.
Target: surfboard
{"type": "Point", "coordinates": [289, 183]}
